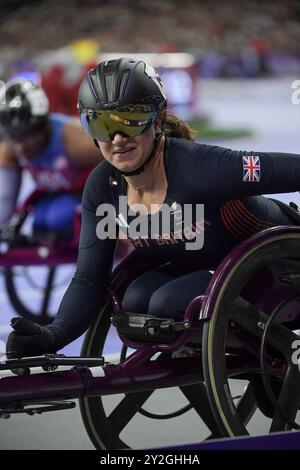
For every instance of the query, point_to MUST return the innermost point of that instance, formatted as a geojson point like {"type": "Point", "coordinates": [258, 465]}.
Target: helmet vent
{"type": "Point", "coordinates": [109, 79]}
{"type": "Point", "coordinates": [123, 83]}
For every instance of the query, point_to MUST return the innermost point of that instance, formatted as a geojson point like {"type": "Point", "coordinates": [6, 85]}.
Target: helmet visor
{"type": "Point", "coordinates": [103, 125]}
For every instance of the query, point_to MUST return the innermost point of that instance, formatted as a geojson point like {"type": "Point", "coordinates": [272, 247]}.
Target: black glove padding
{"type": "Point", "coordinates": [29, 339]}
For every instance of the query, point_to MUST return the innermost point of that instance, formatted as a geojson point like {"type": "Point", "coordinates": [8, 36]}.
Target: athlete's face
{"type": "Point", "coordinates": [128, 153]}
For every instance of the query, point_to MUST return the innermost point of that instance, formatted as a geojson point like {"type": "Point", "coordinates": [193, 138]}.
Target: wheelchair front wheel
{"type": "Point", "coordinates": [130, 420]}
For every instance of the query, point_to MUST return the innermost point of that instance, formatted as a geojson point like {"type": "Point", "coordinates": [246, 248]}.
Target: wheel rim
{"type": "Point", "coordinates": [218, 330]}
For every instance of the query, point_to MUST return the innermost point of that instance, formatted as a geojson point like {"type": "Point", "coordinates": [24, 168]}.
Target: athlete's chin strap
{"type": "Point", "coordinates": [141, 168]}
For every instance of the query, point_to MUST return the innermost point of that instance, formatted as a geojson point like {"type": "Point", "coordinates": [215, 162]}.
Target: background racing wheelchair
{"type": "Point", "coordinates": [39, 263]}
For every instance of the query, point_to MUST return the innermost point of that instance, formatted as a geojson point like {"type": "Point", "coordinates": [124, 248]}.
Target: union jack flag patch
{"type": "Point", "coordinates": [251, 168]}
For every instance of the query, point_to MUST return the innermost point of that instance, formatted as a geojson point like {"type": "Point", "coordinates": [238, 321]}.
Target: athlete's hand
{"type": "Point", "coordinates": [29, 339]}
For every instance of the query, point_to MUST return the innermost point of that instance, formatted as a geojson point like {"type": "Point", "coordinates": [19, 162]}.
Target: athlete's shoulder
{"type": "Point", "coordinates": [201, 169]}
{"type": "Point", "coordinates": [183, 150]}
{"type": "Point", "coordinates": [190, 160]}
{"type": "Point", "coordinates": [178, 145]}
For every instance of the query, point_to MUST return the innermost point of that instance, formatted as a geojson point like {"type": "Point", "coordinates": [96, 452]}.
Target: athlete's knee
{"type": "Point", "coordinates": [61, 213]}
{"type": "Point", "coordinates": [58, 221]}
{"type": "Point", "coordinates": [39, 217]}
{"type": "Point", "coordinates": [163, 305]}
{"type": "Point", "coordinates": [135, 298]}
{"type": "Point", "coordinates": [139, 292]}
{"type": "Point", "coordinates": [172, 299]}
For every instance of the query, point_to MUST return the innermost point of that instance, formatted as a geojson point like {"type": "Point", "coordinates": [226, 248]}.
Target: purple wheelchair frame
{"type": "Point", "coordinates": [89, 377]}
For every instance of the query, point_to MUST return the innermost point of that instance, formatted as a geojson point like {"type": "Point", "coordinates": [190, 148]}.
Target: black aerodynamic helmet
{"type": "Point", "coordinates": [24, 107]}
{"type": "Point", "coordinates": [120, 95]}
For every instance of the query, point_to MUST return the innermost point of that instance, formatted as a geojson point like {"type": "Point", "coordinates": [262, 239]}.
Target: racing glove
{"type": "Point", "coordinates": [29, 339]}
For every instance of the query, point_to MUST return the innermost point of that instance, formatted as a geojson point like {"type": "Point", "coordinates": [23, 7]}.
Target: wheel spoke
{"type": "Point", "coordinates": [253, 319]}
{"type": "Point", "coordinates": [197, 396]}
{"type": "Point", "coordinates": [289, 400]}
{"type": "Point", "coordinates": [127, 409]}
{"type": "Point", "coordinates": [244, 410]}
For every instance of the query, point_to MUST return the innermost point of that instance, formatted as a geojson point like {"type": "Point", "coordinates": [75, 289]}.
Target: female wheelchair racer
{"type": "Point", "coordinates": [161, 286]}
{"type": "Point", "coordinates": [150, 159]}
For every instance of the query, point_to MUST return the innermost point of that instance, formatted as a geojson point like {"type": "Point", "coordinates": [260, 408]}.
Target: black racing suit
{"type": "Point", "coordinates": [228, 183]}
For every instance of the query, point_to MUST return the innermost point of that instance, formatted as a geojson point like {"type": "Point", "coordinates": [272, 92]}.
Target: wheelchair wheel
{"type": "Point", "coordinates": [35, 291]}
{"type": "Point", "coordinates": [131, 420]}
{"type": "Point", "coordinates": [241, 311]}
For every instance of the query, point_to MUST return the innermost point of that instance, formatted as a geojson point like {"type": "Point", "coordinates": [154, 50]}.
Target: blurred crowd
{"type": "Point", "coordinates": [228, 38]}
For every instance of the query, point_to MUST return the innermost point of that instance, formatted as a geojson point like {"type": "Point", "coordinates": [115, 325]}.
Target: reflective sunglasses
{"type": "Point", "coordinates": [131, 121]}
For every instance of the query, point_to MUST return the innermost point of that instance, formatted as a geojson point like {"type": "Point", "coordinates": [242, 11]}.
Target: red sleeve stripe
{"type": "Point", "coordinates": [240, 221]}
{"type": "Point", "coordinates": [260, 223]}
{"type": "Point", "coordinates": [232, 223]}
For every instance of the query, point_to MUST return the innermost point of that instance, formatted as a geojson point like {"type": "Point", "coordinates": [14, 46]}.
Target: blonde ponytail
{"type": "Point", "coordinates": [175, 127]}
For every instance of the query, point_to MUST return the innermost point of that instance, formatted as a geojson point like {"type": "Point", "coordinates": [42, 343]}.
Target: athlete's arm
{"type": "Point", "coordinates": [80, 148]}
{"type": "Point", "coordinates": [227, 174]}
{"type": "Point", "coordinates": [85, 295]}
{"type": "Point", "coordinates": [10, 181]}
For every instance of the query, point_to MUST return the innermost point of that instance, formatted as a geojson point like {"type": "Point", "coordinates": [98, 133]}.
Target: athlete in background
{"type": "Point", "coordinates": [52, 147]}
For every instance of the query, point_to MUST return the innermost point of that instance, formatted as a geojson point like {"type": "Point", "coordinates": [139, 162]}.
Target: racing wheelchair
{"type": "Point", "coordinates": [234, 354]}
